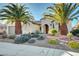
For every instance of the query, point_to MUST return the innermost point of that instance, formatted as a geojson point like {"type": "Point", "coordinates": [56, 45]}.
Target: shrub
{"type": "Point", "coordinates": [52, 31]}
{"type": "Point", "coordinates": [53, 41]}
{"type": "Point", "coordinates": [73, 44]}
{"type": "Point", "coordinates": [40, 38]}
{"type": "Point", "coordinates": [77, 35]}
{"type": "Point", "coordinates": [22, 39]}
{"type": "Point", "coordinates": [70, 35]}
{"type": "Point", "coordinates": [35, 35]}
{"type": "Point", "coordinates": [75, 32]}
{"type": "Point", "coordinates": [4, 36]}
{"type": "Point", "coordinates": [11, 36]}
{"type": "Point", "coordinates": [28, 35]}
{"type": "Point", "coordinates": [38, 32]}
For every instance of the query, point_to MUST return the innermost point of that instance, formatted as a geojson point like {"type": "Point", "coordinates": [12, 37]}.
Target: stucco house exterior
{"type": "Point", "coordinates": [26, 28]}
{"type": "Point", "coordinates": [2, 28]}
{"type": "Point", "coordinates": [44, 25]}
{"type": "Point", "coordinates": [47, 24]}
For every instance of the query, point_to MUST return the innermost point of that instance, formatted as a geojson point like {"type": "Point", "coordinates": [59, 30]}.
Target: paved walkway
{"type": "Point", "coordinates": [9, 49]}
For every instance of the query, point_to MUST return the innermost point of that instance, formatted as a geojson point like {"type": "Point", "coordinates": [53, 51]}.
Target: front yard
{"type": "Point", "coordinates": [44, 42]}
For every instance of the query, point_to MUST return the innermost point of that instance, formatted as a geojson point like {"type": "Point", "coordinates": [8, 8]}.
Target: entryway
{"type": "Point", "coordinates": [46, 28]}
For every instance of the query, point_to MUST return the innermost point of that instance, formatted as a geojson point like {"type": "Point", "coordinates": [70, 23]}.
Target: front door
{"type": "Point", "coordinates": [46, 28]}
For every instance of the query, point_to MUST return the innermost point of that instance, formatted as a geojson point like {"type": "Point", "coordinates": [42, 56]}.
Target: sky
{"type": "Point", "coordinates": [74, 22]}
{"type": "Point", "coordinates": [37, 10]}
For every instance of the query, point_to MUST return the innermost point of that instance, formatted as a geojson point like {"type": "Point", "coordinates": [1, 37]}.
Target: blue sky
{"type": "Point", "coordinates": [74, 22]}
{"type": "Point", "coordinates": [37, 10]}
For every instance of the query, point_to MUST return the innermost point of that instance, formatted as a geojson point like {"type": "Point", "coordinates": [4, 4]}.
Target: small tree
{"type": "Point", "coordinates": [70, 35]}
{"type": "Point", "coordinates": [52, 31]}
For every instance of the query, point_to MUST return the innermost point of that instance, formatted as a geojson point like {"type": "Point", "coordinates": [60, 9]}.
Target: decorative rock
{"type": "Point", "coordinates": [31, 41]}
{"type": "Point", "coordinates": [76, 38]}
{"type": "Point", "coordinates": [40, 38]}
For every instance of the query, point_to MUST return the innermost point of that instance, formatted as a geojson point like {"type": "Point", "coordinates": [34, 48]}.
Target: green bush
{"type": "Point", "coordinates": [70, 35]}
{"type": "Point", "coordinates": [22, 39]}
{"type": "Point", "coordinates": [75, 32]}
{"type": "Point", "coordinates": [73, 44]}
{"type": "Point", "coordinates": [36, 35]}
{"type": "Point", "coordinates": [40, 38]}
{"type": "Point", "coordinates": [38, 32]}
{"type": "Point", "coordinates": [27, 35]}
{"type": "Point", "coordinates": [77, 35]}
{"type": "Point", "coordinates": [52, 31]}
{"type": "Point", "coordinates": [53, 41]}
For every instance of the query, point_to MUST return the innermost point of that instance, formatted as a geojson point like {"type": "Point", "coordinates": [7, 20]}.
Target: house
{"type": "Point", "coordinates": [32, 26]}
{"type": "Point", "coordinates": [47, 24]}
{"type": "Point", "coordinates": [77, 26]}
{"type": "Point", "coordinates": [2, 28]}
{"type": "Point", "coordinates": [44, 25]}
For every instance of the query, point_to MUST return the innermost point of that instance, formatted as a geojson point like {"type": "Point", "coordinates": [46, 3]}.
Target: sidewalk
{"type": "Point", "coordinates": [9, 49]}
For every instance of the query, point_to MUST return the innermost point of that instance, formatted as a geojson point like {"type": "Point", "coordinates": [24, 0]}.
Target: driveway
{"type": "Point", "coordinates": [10, 49]}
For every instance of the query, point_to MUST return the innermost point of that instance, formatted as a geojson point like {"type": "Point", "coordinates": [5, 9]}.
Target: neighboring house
{"type": "Point", "coordinates": [2, 28]}
{"type": "Point", "coordinates": [77, 26]}
{"type": "Point", "coordinates": [44, 25]}
{"type": "Point", "coordinates": [69, 26]}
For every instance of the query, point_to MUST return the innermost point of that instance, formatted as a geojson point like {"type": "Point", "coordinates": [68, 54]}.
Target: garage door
{"type": "Point", "coordinates": [11, 29]}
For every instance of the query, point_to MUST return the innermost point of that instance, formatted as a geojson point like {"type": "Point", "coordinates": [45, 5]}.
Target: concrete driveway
{"type": "Point", "coordinates": [10, 49]}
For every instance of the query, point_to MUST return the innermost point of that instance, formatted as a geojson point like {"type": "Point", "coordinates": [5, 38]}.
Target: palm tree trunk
{"type": "Point", "coordinates": [18, 27]}
{"type": "Point", "coordinates": [63, 29]}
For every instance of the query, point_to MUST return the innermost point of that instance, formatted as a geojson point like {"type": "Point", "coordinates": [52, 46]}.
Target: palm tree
{"type": "Point", "coordinates": [62, 13]}
{"type": "Point", "coordinates": [15, 13]}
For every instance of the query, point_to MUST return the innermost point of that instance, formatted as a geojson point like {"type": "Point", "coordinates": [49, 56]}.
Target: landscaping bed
{"type": "Point", "coordinates": [42, 41]}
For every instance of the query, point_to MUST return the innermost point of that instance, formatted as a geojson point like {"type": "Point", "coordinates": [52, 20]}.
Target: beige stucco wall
{"type": "Point", "coordinates": [29, 28]}
{"type": "Point", "coordinates": [26, 28]}
{"type": "Point", "coordinates": [10, 28]}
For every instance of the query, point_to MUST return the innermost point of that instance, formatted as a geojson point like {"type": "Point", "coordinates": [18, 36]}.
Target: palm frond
{"type": "Point", "coordinates": [13, 12]}
{"type": "Point", "coordinates": [62, 12]}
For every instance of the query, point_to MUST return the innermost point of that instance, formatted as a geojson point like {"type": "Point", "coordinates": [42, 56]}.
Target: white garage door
{"type": "Point", "coordinates": [11, 29]}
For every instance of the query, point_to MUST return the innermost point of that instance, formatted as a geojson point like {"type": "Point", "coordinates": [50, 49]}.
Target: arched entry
{"type": "Point", "coordinates": [46, 28]}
